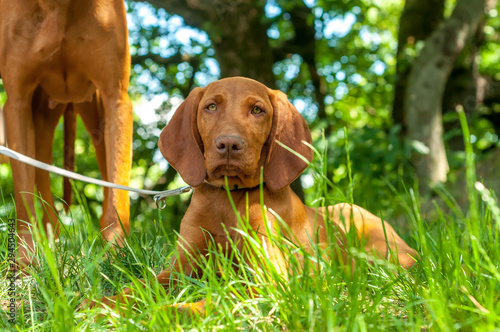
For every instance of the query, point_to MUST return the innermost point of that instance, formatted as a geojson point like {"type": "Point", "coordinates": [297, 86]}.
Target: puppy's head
{"type": "Point", "coordinates": [229, 129]}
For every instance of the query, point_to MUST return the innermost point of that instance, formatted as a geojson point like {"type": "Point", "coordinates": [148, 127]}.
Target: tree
{"type": "Point", "coordinates": [418, 20]}
{"type": "Point", "coordinates": [426, 84]}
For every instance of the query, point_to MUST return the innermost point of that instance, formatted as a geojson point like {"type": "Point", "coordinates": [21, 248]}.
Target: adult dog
{"type": "Point", "coordinates": [228, 131]}
{"type": "Point", "coordinates": [61, 57]}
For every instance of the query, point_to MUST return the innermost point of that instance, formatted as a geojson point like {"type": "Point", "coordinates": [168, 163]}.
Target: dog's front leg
{"type": "Point", "coordinates": [20, 132]}
{"type": "Point", "coordinates": [118, 122]}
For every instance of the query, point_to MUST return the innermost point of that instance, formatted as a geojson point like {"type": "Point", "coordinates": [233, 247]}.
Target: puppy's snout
{"type": "Point", "coordinates": [229, 145]}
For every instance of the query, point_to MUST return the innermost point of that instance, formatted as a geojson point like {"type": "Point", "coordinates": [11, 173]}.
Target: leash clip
{"type": "Point", "coordinates": [160, 198]}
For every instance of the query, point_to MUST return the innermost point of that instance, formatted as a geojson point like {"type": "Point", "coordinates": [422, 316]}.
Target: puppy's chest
{"type": "Point", "coordinates": [222, 220]}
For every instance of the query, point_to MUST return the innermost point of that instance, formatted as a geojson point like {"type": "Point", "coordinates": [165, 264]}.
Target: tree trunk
{"type": "Point", "coordinates": [425, 88]}
{"type": "Point", "coordinates": [461, 89]}
{"type": "Point", "coordinates": [418, 20]}
{"type": "Point", "coordinates": [242, 48]}
{"type": "Point", "coordinates": [467, 87]}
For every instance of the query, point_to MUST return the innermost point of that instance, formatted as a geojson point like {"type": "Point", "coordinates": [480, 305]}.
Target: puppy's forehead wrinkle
{"type": "Point", "coordinates": [237, 101]}
{"type": "Point", "coordinates": [213, 97]}
{"type": "Point", "coordinates": [234, 88]}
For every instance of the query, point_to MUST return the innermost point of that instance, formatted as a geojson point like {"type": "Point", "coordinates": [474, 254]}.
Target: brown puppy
{"type": "Point", "coordinates": [230, 129]}
{"type": "Point", "coordinates": [59, 57]}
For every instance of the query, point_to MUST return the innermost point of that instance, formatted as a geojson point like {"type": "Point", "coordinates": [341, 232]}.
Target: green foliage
{"type": "Point", "coordinates": [167, 56]}
{"type": "Point", "coordinates": [489, 62]}
{"type": "Point", "coordinates": [375, 158]}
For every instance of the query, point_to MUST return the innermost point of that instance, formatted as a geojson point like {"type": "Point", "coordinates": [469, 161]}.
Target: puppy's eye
{"type": "Point", "coordinates": [212, 107]}
{"type": "Point", "coordinates": [257, 110]}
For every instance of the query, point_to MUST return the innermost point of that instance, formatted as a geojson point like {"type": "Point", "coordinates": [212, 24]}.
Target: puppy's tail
{"type": "Point", "coordinates": [69, 151]}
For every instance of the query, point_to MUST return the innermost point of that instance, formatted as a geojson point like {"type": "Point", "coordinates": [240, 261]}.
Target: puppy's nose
{"type": "Point", "coordinates": [229, 145]}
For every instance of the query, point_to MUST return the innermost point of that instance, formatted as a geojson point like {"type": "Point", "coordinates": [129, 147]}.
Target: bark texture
{"type": "Point", "coordinates": [426, 85]}
{"type": "Point", "coordinates": [418, 20]}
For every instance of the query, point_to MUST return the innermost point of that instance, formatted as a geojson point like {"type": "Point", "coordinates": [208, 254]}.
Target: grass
{"type": "Point", "coordinates": [455, 286]}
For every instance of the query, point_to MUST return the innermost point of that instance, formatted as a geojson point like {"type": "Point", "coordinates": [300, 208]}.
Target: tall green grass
{"type": "Point", "coordinates": [455, 286]}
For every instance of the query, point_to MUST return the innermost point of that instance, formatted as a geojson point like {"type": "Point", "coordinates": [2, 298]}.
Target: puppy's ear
{"type": "Point", "coordinates": [180, 141]}
{"type": "Point", "coordinates": [289, 128]}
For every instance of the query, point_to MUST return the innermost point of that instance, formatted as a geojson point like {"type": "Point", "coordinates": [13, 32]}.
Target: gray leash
{"type": "Point", "coordinates": [158, 197]}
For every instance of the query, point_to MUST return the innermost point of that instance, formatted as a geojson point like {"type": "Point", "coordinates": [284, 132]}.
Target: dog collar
{"type": "Point", "coordinates": [233, 188]}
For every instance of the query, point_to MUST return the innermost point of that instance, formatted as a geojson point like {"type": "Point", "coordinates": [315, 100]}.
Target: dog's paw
{"type": "Point", "coordinates": [197, 308]}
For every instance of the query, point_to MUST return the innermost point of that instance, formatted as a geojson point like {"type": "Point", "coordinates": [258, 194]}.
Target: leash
{"type": "Point", "coordinates": [158, 197]}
